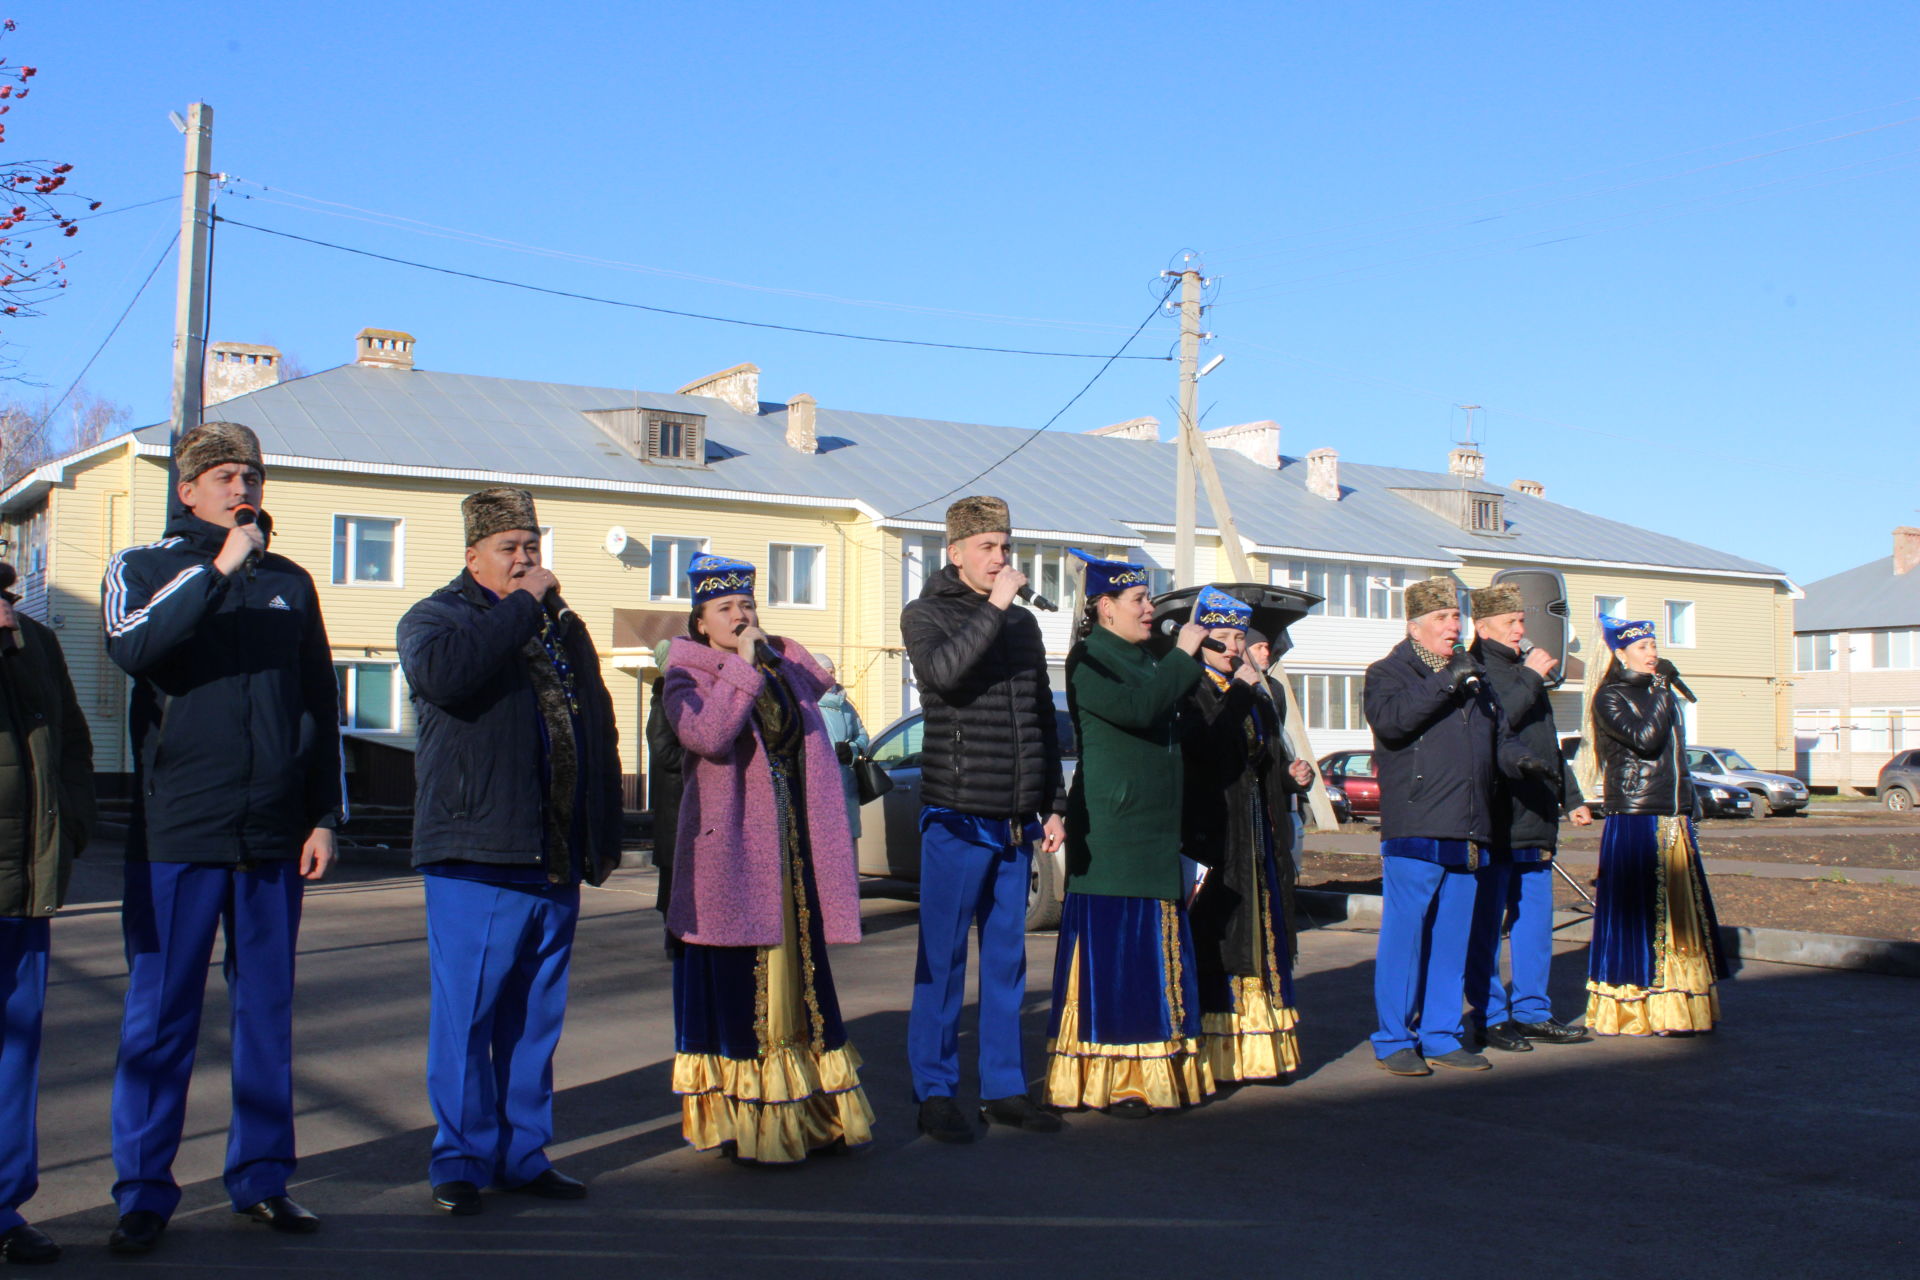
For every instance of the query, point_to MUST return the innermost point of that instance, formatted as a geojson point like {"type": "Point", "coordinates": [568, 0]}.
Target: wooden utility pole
{"type": "Point", "coordinates": [1195, 456]}
{"type": "Point", "coordinates": [190, 298]}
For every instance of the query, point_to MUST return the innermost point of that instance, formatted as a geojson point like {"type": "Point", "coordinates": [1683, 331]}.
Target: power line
{"type": "Point", "coordinates": [1041, 429]}
{"type": "Point", "coordinates": [685, 315]}
{"type": "Point", "coordinates": [137, 294]}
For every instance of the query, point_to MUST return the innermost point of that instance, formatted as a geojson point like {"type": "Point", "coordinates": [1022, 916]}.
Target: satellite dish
{"type": "Point", "coordinates": [616, 542]}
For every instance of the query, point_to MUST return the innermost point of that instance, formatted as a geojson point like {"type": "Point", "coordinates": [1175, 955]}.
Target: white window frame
{"type": "Point", "coordinates": [1826, 735]}
{"type": "Point", "coordinates": [1693, 626]}
{"type": "Point", "coordinates": [1352, 699]}
{"type": "Point", "coordinates": [1893, 635]}
{"type": "Point", "coordinates": [399, 524]}
{"type": "Point", "coordinates": [1619, 609]}
{"type": "Point", "coordinates": [352, 692]}
{"type": "Point", "coordinates": [679, 591]}
{"type": "Point", "coordinates": [1813, 639]}
{"type": "Point", "coordinates": [819, 574]}
{"type": "Point", "coordinates": [546, 546]}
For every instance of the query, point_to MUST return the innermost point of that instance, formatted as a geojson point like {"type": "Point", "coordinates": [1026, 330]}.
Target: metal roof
{"type": "Point", "coordinates": [1861, 599]}
{"type": "Point", "coordinates": [1096, 487]}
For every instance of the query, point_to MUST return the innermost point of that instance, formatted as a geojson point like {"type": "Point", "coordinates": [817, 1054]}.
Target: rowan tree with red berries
{"type": "Point", "coordinates": [36, 214]}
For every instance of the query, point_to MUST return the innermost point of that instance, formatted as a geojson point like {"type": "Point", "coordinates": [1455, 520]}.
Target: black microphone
{"type": "Point", "coordinates": [1171, 627]}
{"type": "Point", "coordinates": [1465, 674]}
{"type": "Point", "coordinates": [557, 607]}
{"type": "Point", "coordinates": [762, 652]}
{"type": "Point", "coordinates": [1029, 596]}
{"type": "Point", "coordinates": [244, 515]}
{"type": "Point", "coordinates": [1672, 673]}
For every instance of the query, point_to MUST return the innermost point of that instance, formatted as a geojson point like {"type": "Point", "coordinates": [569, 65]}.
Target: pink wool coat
{"type": "Point", "coordinates": [727, 866]}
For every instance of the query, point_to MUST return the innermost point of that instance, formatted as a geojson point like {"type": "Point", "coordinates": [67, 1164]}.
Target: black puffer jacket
{"type": "Point", "coordinates": [1643, 763]}
{"type": "Point", "coordinates": [991, 746]}
{"type": "Point", "coordinates": [1533, 805]}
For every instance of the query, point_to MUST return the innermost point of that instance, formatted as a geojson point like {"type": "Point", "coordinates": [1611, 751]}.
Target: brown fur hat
{"type": "Point", "coordinates": [497, 510]}
{"type": "Point", "coordinates": [1502, 597]}
{"type": "Point", "coordinates": [980, 514]}
{"type": "Point", "coordinates": [1431, 596]}
{"type": "Point", "coordinates": [212, 443]}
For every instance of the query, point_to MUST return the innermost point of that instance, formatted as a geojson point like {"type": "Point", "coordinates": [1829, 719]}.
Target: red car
{"type": "Point", "coordinates": [1352, 772]}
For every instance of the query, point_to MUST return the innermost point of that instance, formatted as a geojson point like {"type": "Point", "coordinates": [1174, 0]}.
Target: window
{"type": "Point", "coordinates": [676, 439]}
{"type": "Point", "coordinates": [369, 695]}
{"type": "Point", "coordinates": [670, 557]}
{"type": "Point", "coordinates": [1486, 514]}
{"type": "Point", "coordinates": [1883, 730]}
{"type": "Point", "coordinates": [1612, 606]}
{"type": "Point", "coordinates": [366, 551]}
{"type": "Point", "coordinates": [546, 546]}
{"type": "Point", "coordinates": [793, 574]}
{"type": "Point", "coordinates": [1346, 590]}
{"type": "Point", "coordinates": [1047, 571]}
{"type": "Point", "coordinates": [901, 748]}
{"type": "Point", "coordinates": [1815, 652]}
{"type": "Point", "coordinates": [1815, 731]}
{"type": "Point", "coordinates": [1896, 650]}
{"type": "Point", "coordinates": [30, 555]}
{"type": "Point", "coordinates": [1679, 624]}
{"type": "Point", "coordinates": [1331, 702]}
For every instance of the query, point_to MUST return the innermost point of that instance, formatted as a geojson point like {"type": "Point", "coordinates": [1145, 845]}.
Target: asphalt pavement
{"type": "Point", "coordinates": [1781, 1145]}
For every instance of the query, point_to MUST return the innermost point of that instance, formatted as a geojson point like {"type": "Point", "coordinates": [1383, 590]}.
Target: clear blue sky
{"type": "Point", "coordinates": [1634, 232]}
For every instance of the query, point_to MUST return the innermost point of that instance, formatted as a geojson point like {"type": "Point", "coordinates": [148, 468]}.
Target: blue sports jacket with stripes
{"type": "Point", "coordinates": [235, 715]}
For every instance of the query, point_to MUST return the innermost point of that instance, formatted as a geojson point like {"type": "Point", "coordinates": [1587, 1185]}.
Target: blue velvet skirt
{"type": "Point", "coordinates": [1126, 1006]}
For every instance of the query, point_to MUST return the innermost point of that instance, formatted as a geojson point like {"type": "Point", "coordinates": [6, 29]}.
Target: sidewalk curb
{"type": "Point", "coordinates": [1325, 909]}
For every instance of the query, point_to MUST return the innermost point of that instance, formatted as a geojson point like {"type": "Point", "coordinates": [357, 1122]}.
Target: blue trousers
{"type": "Point", "coordinates": [23, 995]}
{"type": "Point", "coordinates": [1419, 970]}
{"type": "Point", "coordinates": [169, 915]}
{"type": "Point", "coordinates": [972, 871]}
{"type": "Point", "coordinates": [1528, 888]}
{"type": "Point", "coordinates": [499, 957]}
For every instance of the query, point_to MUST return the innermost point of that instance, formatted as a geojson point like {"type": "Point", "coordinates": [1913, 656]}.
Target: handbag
{"type": "Point", "coordinates": [870, 780]}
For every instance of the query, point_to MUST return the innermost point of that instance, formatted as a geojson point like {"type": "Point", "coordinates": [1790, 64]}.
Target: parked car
{"type": "Point", "coordinates": [1352, 772]}
{"type": "Point", "coordinates": [1774, 793]}
{"type": "Point", "coordinates": [1342, 807]}
{"type": "Point", "coordinates": [1722, 797]}
{"type": "Point", "coordinates": [890, 825]}
{"type": "Point", "coordinates": [1899, 783]}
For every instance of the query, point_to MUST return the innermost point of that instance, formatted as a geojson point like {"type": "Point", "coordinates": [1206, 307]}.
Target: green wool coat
{"type": "Point", "coordinates": [1123, 815]}
{"type": "Point", "coordinates": [46, 774]}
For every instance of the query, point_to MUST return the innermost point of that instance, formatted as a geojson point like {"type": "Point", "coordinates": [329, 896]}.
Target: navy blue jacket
{"type": "Point", "coordinates": [1437, 753]}
{"type": "Point", "coordinates": [480, 785]}
{"type": "Point", "coordinates": [236, 713]}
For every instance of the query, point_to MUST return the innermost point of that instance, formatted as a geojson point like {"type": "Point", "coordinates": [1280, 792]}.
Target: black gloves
{"type": "Point", "coordinates": [1536, 768]}
{"type": "Point", "coordinates": [843, 752]}
{"type": "Point", "coordinates": [1463, 673]}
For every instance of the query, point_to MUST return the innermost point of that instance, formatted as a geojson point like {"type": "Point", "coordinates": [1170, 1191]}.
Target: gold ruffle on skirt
{"type": "Point", "coordinates": [1254, 1042]}
{"type": "Point", "coordinates": [1684, 998]}
{"type": "Point", "coordinates": [1166, 1075]}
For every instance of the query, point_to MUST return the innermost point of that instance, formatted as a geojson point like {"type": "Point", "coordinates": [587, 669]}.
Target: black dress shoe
{"type": "Point", "coordinates": [1020, 1112]}
{"type": "Point", "coordinates": [1129, 1109]}
{"type": "Point", "coordinates": [461, 1199]}
{"type": "Point", "coordinates": [1553, 1031]}
{"type": "Point", "coordinates": [28, 1245]}
{"type": "Point", "coordinates": [137, 1232]}
{"type": "Point", "coordinates": [283, 1215]}
{"type": "Point", "coordinates": [1507, 1036]}
{"type": "Point", "coordinates": [1460, 1060]}
{"type": "Point", "coordinates": [942, 1120]}
{"type": "Point", "coordinates": [553, 1185]}
{"type": "Point", "coordinates": [1404, 1062]}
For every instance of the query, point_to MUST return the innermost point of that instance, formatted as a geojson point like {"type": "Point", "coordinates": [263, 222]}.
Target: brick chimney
{"type": "Point", "coordinates": [384, 349]}
{"type": "Point", "coordinates": [236, 368]}
{"type": "Point", "coordinates": [1258, 441]}
{"type": "Point", "coordinates": [738, 388]}
{"type": "Point", "coordinates": [1131, 429]}
{"type": "Point", "coordinates": [1906, 548]}
{"type": "Point", "coordinates": [1532, 488]}
{"type": "Point", "coordinates": [1467, 462]}
{"type": "Point", "coordinates": [800, 432]}
{"type": "Point", "coordinates": [1323, 474]}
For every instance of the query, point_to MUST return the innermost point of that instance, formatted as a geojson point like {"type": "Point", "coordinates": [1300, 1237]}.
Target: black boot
{"type": "Point", "coordinates": [942, 1120]}
{"type": "Point", "coordinates": [1020, 1112]}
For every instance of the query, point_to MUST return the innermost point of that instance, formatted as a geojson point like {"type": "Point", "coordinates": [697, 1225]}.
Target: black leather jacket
{"type": "Point", "coordinates": [1645, 770]}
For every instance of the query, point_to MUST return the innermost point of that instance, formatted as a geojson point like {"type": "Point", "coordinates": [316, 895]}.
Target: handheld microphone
{"type": "Point", "coordinates": [1559, 676]}
{"type": "Point", "coordinates": [1672, 673]}
{"type": "Point", "coordinates": [1029, 596]}
{"type": "Point", "coordinates": [243, 515]}
{"type": "Point", "coordinates": [1171, 627]}
{"type": "Point", "coordinates": [762, 652]}
{"type": "Point", "coordinates": [557, 607]}
{"type": "Point", "coordinates": [1465, 675]}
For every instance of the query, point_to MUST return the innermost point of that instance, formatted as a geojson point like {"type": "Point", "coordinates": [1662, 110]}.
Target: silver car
{"type": "Point", "coordinates": [1774, 793]}
{"type": "Point", "coordinates": [890, 825]}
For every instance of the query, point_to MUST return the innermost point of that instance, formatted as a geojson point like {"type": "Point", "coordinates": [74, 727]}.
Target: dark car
{"type": "Point", "coordinates": [1722, 797]}
{"type": "Point", "coordinates": [1352, 772]}
{"type": "Point", "coordinates": [1899, 783]}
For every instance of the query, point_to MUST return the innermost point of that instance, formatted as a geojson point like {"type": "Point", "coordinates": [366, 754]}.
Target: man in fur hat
{"type": "Point", "coordinates": [518, 802]}
{"type": "Point", "coordinates": [1526, 830]}
{"type": "Point", "coordinates": [1439, 741]}
{"type": "Point", "coordinates": [990, 778]}
{"type": "Point", "coordinates": [236, 746]}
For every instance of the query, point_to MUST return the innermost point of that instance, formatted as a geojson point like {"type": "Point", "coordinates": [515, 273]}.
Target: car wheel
{"type": "Point", "coordinates": [1898, 799]}
{"type": "Point", "coordinates": [1762, 808]}
{"type": "Point", "coordinates": [1043, 893]}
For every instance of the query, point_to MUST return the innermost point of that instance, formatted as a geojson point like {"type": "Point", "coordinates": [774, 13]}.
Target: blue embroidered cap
{"type": "Point", "coordinates": [1104, 576]}
{"type": "Point", "coordinates": [714, 576]}
{"type": "Point", "coordinates": [1621, 633]}
{"type": "Point", "coordinates": [1215, 608]}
